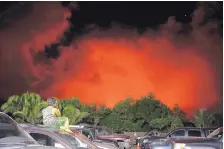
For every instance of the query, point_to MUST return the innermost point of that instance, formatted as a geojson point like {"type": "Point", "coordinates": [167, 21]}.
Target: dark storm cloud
{"type": "Point", "coordinates": [25, 66]}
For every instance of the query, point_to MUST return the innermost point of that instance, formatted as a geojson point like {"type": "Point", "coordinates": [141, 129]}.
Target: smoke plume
{"type": "Point", "coordinates": [180, 63]}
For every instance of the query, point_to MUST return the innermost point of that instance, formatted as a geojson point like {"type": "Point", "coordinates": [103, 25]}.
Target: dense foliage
{"type": "Point", "coordinates": [144, 114]}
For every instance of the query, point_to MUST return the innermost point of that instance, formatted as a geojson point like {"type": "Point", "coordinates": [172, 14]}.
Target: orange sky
{"type": "Point", "coordinates": [113, 69]}
{"type": "Point", "coordinates": [107, 66]}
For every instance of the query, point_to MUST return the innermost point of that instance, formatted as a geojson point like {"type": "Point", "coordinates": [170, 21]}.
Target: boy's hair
{"type": "Point", "coordinates": [51, 101]}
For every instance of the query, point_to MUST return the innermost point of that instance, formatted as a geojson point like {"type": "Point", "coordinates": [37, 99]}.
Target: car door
{"type": "Point", "coordinates": [180, 133]}
{"type": "Point", "coordinates": [193, 133]}
{"type": "Point", "coordinates": [49, 139]}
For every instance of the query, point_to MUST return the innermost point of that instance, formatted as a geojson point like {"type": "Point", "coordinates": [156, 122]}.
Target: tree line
{"type": "Point", "coordinates": [145, 114]}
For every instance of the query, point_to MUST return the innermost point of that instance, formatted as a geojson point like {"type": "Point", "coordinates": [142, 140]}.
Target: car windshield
{"type": "Point", "coordinates": [152, 133]}
{"type": "Point", "coordinates": [161, 142]}
{"type": "Point", "coordinates": [12, 133]}
{"type": "Point", "coordinates": [76, 139]}
{"type": "Point", "coordinates": [148, 134]}
{"type": "Point", "coordinates": [166, 141]}
{"type": "Point", "coordinates": [103, 131]}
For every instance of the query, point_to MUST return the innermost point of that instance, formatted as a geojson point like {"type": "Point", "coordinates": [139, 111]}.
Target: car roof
{"type": "Point", "coordinates": [195, 140]}
{"type": "Point", "coordinates": [81, 128]}
{"type": "Point", "coordinates": [42, 128]}
{"type": "Point", "coordinates": [187, 128]}
{"type": "Point", "coordinates": [87, 126]}
{"type": "Point", "coordinates": [38, 127]}
{"type": "Point", "coordinates": [195, 128]}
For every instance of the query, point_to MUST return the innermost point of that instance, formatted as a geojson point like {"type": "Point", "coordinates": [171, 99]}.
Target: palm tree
{"type": "Point", "coordinates": [13, 104]}
{"type": "Point", "coordinates": [177, 111]}
{"type": "Point", "coordinates": [73, 114]}
{"type": "Point", "coordinates": [203, 118]}
{"type": "Point", "coordinates": [73, 101]}
{"type": "Point", "coordinates": [31, 110]}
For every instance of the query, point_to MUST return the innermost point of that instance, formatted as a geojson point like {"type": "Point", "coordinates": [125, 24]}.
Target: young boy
{"type": "Point", "coordinates": [52, 116]}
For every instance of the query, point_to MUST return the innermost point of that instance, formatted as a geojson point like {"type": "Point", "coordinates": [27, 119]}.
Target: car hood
{"type": "Point", "coordinates": [27, 147]}
{"type": "Point", "coordinates": [114, 136]}
{"type": "Point", "coordinates": [105, 145]}
{"type": "Point", "coordinates": [150, 137]}
{"type": "Point", "coordinates": [196, 140]}
{"type": "Point", "coordinates": [41, 147]}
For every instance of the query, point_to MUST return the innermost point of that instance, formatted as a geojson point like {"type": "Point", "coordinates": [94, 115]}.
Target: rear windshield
{"type": "Point", "coordinates": [9, 128]}
{"type": "Point", "coordinates": [76, 139]}
{"type": "Point", "coordinates": [103, 131]}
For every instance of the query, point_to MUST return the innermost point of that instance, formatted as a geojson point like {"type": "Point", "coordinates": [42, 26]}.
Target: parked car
{"type": "Point", "coordinates": [104, 133]}
{"type": "Point", "coordinates": [89, 133]}
{"type": "Point", "coordinates": [148, 134]}
{"type": "Point", "coordinates": [58, 138]}
{"type": "Point", "coordinates": [212, 141]}
{"type": "Point", "coordinates": [12, 136]}
{"type": "Point", "coordinates": [185, 132]}
{"type": "Point", "coordinates": [104, 145]}
{"type": "Point", "coordinates": [158, 144]}
{"type": "Point", "coordinates": [184, 143]}
{"type": "Point", "coordinates": [201, 143]}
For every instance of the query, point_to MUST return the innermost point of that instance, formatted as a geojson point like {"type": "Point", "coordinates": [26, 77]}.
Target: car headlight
{"type": "Point", "coordinates": [179, 146]}
{"type": "Point", "coordinates": [145, 140]}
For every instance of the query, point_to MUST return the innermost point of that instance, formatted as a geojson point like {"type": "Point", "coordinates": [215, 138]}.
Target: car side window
{"type": "Point", "coordinates": [101, 131]}
{"type": "Point", "coordinates": [87, 134]}
{"type": "Point", "coordinates": [178, 133]}
{"type": "Point", "coordinates": [194, 133]}
{"type": "Point", "coordinates": [46, 140]}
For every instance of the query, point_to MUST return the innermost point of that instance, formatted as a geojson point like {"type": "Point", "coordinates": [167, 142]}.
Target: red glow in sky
{"type": "Point", "coordinates": [109, 66]}
{"type": "Point", "coordinates": [110, 70]}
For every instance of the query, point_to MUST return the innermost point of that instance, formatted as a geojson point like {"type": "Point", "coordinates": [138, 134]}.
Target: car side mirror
{"type": "Point", "coordinates": [89, 137]}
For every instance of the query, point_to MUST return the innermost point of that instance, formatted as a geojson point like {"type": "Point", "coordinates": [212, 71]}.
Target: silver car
{"type": "Point", "coordinates": [12, 136]}
{"type": "Point", "coordinates": [57, 138]}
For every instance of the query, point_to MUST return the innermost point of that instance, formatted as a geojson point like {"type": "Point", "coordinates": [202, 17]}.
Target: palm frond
{"type": "Point", "coordinates": [81, 116]}
{"type": "Point", "coordinates": [19, 115]}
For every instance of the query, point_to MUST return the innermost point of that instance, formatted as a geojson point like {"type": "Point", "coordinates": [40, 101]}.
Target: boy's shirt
{"type": "Point", "coordinates": [56, 111]}
{"type": "Point", "coordinates": [50, 115]}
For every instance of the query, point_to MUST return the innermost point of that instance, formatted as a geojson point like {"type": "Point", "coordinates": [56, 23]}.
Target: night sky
{"type": "Point", "coordinates": [169, 23]}
{"type": "Point", "coordinates": [138, 15]}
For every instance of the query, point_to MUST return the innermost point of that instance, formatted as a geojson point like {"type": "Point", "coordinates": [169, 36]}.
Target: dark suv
{"type": "Point", "coordinates": [212, 141]}
{"type": "Point", "coordinates": [185, 132]}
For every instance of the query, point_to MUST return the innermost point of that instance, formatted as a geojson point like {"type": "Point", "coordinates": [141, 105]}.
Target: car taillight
{"type": "Point", "coordinates": [138, 146]}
